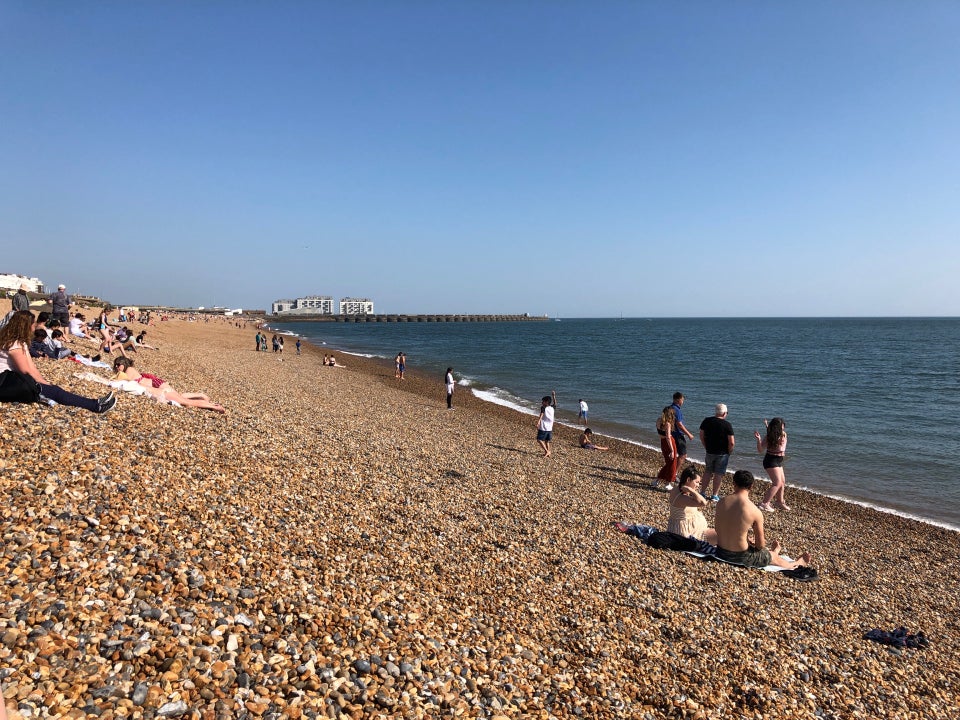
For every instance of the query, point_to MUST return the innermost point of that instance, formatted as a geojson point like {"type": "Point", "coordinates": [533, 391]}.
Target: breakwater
{"type": "Point", "coordinates": [388, 318]}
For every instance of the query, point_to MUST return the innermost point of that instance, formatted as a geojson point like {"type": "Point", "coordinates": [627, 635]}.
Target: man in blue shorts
{"type": "Point", "coordinates": [716, 434]}
{"type": "Point", "coordinates": [545, 422]}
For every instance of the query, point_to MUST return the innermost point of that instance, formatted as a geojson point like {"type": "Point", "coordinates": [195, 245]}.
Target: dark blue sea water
{"type": "Point", "coordinates": [869, 403]}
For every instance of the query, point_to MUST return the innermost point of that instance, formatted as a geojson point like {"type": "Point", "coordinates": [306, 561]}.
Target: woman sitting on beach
{"type": "Point", "coordinates": [586, 441]}
{"type": "Point", "coordinates": [161, 389]}
{"type": "Point", "coordinates": [15, 338]}
{"type": "Point", "coordinates": [103, 327]}
{"type": "Point", "coordinates": [665, 429]}
{"type": "Point", "coordinates": [775, 445]}
{"type": "Point", "coordinates": [685, 502]}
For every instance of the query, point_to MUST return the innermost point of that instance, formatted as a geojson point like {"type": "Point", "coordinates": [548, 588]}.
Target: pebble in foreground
{"type": "Point", "coordinates": [340, 545]}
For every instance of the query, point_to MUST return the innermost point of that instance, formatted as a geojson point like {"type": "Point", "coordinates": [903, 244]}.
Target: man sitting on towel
{"type": "Point", "coordinates": [736, 516]}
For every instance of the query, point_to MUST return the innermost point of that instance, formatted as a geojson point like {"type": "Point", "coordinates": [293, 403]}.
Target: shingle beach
{"type": "Point", "coordinates": [341, 545]}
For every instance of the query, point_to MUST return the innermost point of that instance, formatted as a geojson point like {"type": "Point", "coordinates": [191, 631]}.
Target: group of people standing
{"type": "Point", "coordinates": [716, 434]}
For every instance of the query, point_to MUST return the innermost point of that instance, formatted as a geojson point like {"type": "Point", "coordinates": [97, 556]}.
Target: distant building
{"type": "Point", "coordinates": [309, 305]}
{"type": "Point", "coordinates": [356, 306]}
{"type": "Point", "coordinates": [9, 281]}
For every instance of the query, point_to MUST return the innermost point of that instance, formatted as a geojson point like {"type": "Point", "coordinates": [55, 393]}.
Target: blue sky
{"type": "Point", "coordinates": [572, 158]}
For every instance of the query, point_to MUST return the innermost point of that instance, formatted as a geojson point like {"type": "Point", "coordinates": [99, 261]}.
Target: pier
{"type": "Point", "coordinates": [392, 318]}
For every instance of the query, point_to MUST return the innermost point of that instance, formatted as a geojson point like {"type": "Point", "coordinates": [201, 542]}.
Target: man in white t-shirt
{"type": "Point", "coordinates": [545, 422]}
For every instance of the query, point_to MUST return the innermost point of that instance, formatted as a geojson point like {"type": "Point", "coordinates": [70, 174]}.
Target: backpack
{"type": "Point", "coordinates": [17, 387]}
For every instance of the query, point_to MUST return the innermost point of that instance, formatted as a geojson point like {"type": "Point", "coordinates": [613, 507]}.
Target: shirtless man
{"type": "Point", "coordinates": [736, 516]}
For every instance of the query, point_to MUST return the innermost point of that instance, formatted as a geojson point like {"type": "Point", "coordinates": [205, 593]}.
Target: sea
{"type": "Point", "coordinates": [869, 403]}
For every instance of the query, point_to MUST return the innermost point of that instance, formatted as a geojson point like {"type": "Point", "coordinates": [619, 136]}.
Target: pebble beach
{"type": "Point", "coordinates": [340, 545]}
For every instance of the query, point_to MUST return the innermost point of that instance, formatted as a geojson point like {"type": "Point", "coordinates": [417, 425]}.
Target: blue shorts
{"type": "Point", "coordinates": [544, 435]}
{"type": "Point", "coordinates": [717, 463]}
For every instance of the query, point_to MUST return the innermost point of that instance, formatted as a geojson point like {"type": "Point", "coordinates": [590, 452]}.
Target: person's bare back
{"type": "Point", "coordinates": [735, 516]}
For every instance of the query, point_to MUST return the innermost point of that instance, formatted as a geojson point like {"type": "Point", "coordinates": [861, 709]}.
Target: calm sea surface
{"type": "Point", "coordinates": [869, 403]}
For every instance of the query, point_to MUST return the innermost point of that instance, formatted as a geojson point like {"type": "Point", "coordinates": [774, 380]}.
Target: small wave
{"type": "Point", "coordinates": [501, 397]}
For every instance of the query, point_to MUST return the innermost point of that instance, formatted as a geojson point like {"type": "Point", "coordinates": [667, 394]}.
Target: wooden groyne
{"type": "Point", "coordinates": [403, 318]}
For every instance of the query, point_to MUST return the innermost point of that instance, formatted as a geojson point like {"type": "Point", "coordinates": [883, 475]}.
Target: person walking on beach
{"type": "Point", "coordinates": [668, 447]}
{"type": "Point", "coordinates": [736, 516]}
{"type": "Point", "coordinates": [680, 432]}
{"type": "Point", "coordinates": [450, 384]}
{"type": "Point", "coordinates": [548, 405]}
{"type": "Point", "coordinates": [716, 434]}
{"type": "Point", "coordinates": [60, 303]}
{"type": "Point", "coordinates": [775, 445]}
{"type": "Point", "coordinates": [582, 415]}
{"type": "Point", "coordinates": [21, 302]}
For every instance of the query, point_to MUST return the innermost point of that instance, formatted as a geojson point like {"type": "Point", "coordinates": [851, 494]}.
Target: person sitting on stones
{"type": "Point", "coordinates": [140, 343]}
{"type": "Point", "coordinates": [15, 337]}
{"type": "Point", "coordinates": [686, 501]}
{"type": "Point", "coordinates": [736, 517]}
{"type": "Point", "coordinates": [586, 441]}
{"type": "Point", "coordinates": [161, 389]}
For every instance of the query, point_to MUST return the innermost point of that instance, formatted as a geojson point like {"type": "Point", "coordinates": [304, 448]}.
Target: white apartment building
{"type": "Point", "coordinates": [308, 305]}
{"type": "Point", "coordinates": [10, 281]}
{"type": "Point", "coordinates": [356, 306]}
{"type": "Point", "coordinates": [322, 304]}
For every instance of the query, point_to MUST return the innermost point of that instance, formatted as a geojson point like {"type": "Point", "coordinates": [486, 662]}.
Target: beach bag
{"type": "Point", "coordinates": [17, 387]}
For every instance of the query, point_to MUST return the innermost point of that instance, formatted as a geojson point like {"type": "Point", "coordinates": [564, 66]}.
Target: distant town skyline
{"type": "Point", "coordinates": [572, 159]}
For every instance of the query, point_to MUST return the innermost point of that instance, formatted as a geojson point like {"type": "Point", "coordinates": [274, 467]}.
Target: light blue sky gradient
{"type": "Point", "coordinates": [571, 158]}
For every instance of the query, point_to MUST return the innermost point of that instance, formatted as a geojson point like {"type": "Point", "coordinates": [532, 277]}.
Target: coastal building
{"type": "Point", "coordinates": [308, 305]}
{"type": "Point", "coordinates": [11, 281]}
{"type": "Point", "coordinates": [356, 306]}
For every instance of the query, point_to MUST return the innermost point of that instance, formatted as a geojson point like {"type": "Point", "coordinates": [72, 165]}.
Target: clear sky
{"type": "Point", "coordinates": [575, 158]}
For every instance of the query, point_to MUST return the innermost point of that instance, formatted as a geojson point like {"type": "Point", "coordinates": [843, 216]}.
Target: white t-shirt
{"type": "Point", "coordinates": [546, 422]}
{"type": "Point", "coordinates": [5, 362]}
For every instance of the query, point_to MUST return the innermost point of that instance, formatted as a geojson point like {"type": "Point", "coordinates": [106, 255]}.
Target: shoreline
{"type": "Point", "coordinates": [761, 478]}
{"type": "Point", "coordinates": [341, 545]}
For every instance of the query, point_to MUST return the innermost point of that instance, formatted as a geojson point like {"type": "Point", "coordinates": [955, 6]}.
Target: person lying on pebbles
{"type": "Point", "coordinates": [161, 389]}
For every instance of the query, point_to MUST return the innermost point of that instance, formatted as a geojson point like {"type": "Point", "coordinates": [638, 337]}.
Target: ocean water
{"type": "Point", "coordinates": [869, 403]}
